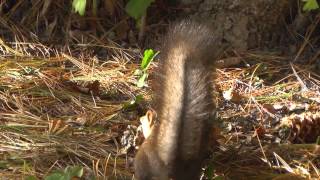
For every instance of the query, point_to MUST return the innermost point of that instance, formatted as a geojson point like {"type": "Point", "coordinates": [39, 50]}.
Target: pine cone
{"type": "Point", "coordinates": [303, 128]}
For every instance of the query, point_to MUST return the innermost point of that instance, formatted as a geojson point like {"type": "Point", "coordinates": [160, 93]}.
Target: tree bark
{"type": "Point", "coordinates": [247, 24]}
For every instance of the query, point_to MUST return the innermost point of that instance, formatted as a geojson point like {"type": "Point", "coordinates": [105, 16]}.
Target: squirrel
{"type": "Point", "coordinates": [178, 143]}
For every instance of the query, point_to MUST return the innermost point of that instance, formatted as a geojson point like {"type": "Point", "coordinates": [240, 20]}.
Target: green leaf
{"type": "Point", "coordinates": [142, 79]}
{"type": "Point", "coordinates": [30, 178]}
{"type": "Point", "coordinates": [76, 171]}
{"type": "Point", "coordinates": [67, 174]}
{"type": "Point", "coordinates": [79, 6]}
{"type": "Point", "coordinates": [209, 172]}
{"type": "Point", "coordinates": [56, 176]}
{"type": "Point", "coordinates": [139, 98]}
{"type": "Point", "coordinates": [310, 5]}
{"type": "Point", "coordinates": [137, 8]}
{"type": "Point", "coordinates": [132, 103]}
{"type": "Point", "coordinates": [148, 56]}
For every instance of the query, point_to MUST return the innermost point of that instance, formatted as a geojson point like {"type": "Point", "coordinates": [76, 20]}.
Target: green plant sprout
{"type": "Point", "coordinates": [79, 6]}
{"type": "Point", "coordinates": [67, 174]}
{"type": "Point", "coordinates": [135, 8]}
{"type": "Point", "coordinates": [310, 5]}
{"type": "Point", "coordinates": [133, 103]}
{"type": "Point", "coordinates": [148, 57]}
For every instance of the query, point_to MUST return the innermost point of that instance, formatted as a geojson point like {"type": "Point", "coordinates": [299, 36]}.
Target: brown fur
{"type": "Point", "coordinates": [178, 143]}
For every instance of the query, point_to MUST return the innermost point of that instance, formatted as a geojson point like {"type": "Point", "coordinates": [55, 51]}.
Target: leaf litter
{"type": "Point", "coordinates": [68, 106]}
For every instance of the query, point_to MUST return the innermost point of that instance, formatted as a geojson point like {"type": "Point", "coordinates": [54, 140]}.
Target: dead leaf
{"type": "Point", "coordinates": [147, 122]}
{"type": "Point", "coordinates": [223, 63]}
{"type": "Point", "coordinates": [231, 95]}
{"type": "Point", "coordinates": [260, 131]}
{"type": "Point", "coordinates": [94, 87]}
{"type": "Point", "coordinates": [270, 108]}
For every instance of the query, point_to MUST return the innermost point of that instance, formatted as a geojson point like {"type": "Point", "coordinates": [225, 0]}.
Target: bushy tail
{"type": "Point", "coordinates": [184, 104]}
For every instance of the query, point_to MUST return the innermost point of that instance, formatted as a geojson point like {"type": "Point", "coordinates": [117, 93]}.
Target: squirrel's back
{"type": "Point", "coordinates": [184, 104]}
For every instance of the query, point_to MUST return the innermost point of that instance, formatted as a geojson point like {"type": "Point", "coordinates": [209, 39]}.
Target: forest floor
{"type": "Point", "coordinates": [68, 111]}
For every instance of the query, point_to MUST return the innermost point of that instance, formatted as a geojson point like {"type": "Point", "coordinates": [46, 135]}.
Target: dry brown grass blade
{"type": "Point", "coordinates": [8, 49]}
{"type": "Point", "coordinates": [47, 121]}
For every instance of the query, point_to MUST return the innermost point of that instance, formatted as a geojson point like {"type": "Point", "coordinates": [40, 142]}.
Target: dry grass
{"type": "Point", "coordinates": [250, 147]}
{"type": "Point", "coordinates": [51, 118]}
{"type": "Point", "coordinates": [67, 106]}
